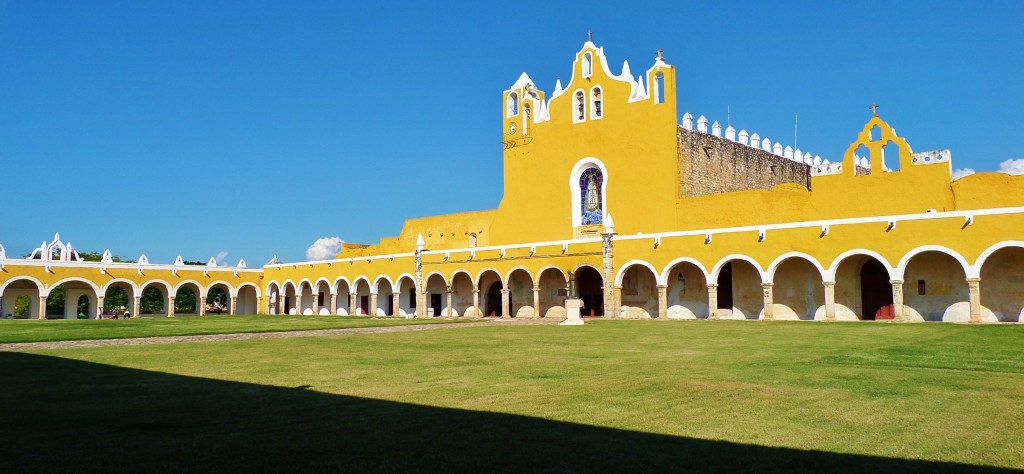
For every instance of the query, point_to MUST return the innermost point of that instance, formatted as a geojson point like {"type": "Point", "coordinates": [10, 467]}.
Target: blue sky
{"type": "Point", "coordinates": [255, 128]}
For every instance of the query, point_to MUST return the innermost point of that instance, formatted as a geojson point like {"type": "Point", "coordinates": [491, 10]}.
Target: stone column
{"type": "Point", "coordinates": [830, 300]}
{"type": "Point", "coordinates": [505, 296]}
{"type": "Point", "coordinates": [99, 306]}
{"type": "Point", "coordinates": [352, 303]}
{"type": "Point", "coordinates": [712, 300]}
{"type": "Point", "coordinates": [259, 305]}
{"type": "Point", "coordinates": [315, 303]}
{"type": "Point", "coordinates": [170, 306]}
{"type": "Point", "coordinates": [396, 300]}
{"type": "Point", "coordinates": [373, 304]}
{"type": "Point", "coordinates": [280, 309]}
{"type": "Point", "coordinates": [334, 304]}
{"type": "Point", "coordinates": [536, 302]}
{"type": "Point", "coordinates": [137, 307]}
{"type": "Point", "coordinates": [202, 306]}
{"type": "Point", "coordinates": [616, 308]}
{"type": "Point", "coordinates": [662, 301]}
{"type": "Point", "coordinates": [234, 301]}
{"type": "Point", "coordinates": [897, 300]}
{"type": "Point", "coordinates": [476, 303]}
{"type": "Point", "coordinates": [769, 309]}
{"type": "Point", "coordinates": [974, 288]}
{"type": "Point", "coordinates": [42, 308]}
{"type": "Point", "coordinates": [448, 292]}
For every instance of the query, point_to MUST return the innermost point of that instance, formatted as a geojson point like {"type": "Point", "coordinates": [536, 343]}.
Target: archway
{"type": "Point", "coordinates": [520, 286]}
{"type": "Point", "coordinates": [862, 290]}
{"type": "Point", "coordinates": [362, 297]}
{"type": "Point", "coordinates": [590, 288]}
{"type": "Point", "coordinates": [639, 293]}
{"type": "Point", "coordinates": [290, 306]}
{"type": "Point", "coordinates": [344, 291]}
{"type": "Point", "coordinates": [218, 299]}
{"type": "Point", "coordinates": [153, 300]}
{"type": "Point", "coordinates": [273, 292]}
{"type": "Point", "coordinates": [323, 298]}
{"type": "Point", "coordinates": [490, 293]}
{"type": "Point", "coordinates": [739, 291]}
{"type": "Point", "coordinates": [935, 288]}
{"type": "Point", "coordinates": [687, 291]}
{"type": "Point", "coordinates": [406, 297]}
{"type": "Point", "coordinates": [71, 299]}
{"type": "Point", "coordinates": [552, 283]}
{"type": "Point", "coordinates": [20, 299]}
{"type": "Point", "coordinates": [187, 299]}
{"type": "Point", "coordinates": [797, 291]}
{"type": "Point", "coordinates": [118, 298]}
{"type": "Point", "coordinates": [247, 300]}
{"type": "Point", "coordinates": [462, 295]}
{"type": "Point", "coordinates": [1001, 289]}
{"type": "Point", "coordinates": [385, 302]}
{"type": "Point", "coordinates": [306, 298]}
{"type": "Point", "coordinates": [437, 290]}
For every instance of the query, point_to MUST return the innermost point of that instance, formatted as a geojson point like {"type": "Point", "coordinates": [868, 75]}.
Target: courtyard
{"type": "Point", "coordinates": [492, 396]}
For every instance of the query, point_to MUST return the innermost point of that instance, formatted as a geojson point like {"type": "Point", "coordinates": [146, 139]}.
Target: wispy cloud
{"type": "Point", "coordinates": [960, 173]}
{"type": "Point", "coordinates": [1012, 166]}
{"type": "Point", "coordinates": [221, 256]}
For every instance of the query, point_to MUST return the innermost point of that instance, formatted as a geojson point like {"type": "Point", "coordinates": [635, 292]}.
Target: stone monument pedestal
{"type": "Point", "coordinates": [572, 312]}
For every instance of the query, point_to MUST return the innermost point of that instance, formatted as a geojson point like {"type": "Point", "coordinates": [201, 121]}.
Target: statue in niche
{"type": "Point", "coordinates": [590, 191]}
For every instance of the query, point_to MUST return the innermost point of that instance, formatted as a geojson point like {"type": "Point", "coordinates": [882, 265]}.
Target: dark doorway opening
{"type": "Point", "coordinates": [364, 304]}
{"type": "Point", "coordinates": [493, 305]}
{"type": "Point", "coordinates": [590, 289]}
{"type": "Point", "coordinates": [435, 303]}
{"type": "Point", "coordinates": [391, 305]}
{"type": "Point", "coordinates": [725, 287]}
{"type": "Point", "coordinates": [876, 291]}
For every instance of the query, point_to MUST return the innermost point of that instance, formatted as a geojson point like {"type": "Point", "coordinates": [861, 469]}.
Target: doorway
{"type": "Point", "coordinates": [876, 291]}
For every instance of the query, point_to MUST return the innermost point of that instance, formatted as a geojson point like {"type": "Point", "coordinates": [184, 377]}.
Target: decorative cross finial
{"type": "Point", "coordinates": [659, 53]}
{"type": "Point", "coordinates": [874, 107]}
{"type": "Point", "coordinates": [590, 36]}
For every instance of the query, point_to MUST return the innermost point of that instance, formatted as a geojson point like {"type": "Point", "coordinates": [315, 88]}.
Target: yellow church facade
{"type": "Point", "coordinates": [612, 200]}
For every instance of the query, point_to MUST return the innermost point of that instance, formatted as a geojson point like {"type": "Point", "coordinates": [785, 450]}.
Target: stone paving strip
{"type": "Point", "coordinates": [140, 341]}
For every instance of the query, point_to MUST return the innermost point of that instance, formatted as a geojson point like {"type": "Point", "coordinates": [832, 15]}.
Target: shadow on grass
{"type": "Point", "coordinates": [65, 415]}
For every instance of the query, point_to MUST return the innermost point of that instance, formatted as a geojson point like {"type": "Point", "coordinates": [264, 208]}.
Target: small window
{"type": "Point", "coordinates": [920, 287]}
{"type": "Point", "coordinates": [659, 88]}
{"type": "Point", "coordinates": [595, 103]}
{"type": "Point", "coordinates": [580, 106]}
{"type": "Point", "coordinates": [587, 65]}
{"type": "Point", "coordinates": [513, 104]}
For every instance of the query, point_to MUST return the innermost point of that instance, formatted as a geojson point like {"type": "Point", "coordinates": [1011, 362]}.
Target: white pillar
{"type": "Point", "coordinates": [170, 306]}
{"type": "Point", "coordinates": [505, 295]}
{"type": "Point", "coordinates": [662, 301]}
{"type": "Point", "coordinates": [234, 301]}
{"type": "Point", "coordinates": [42, 307]}
{"type": "Point", "coordinates": [136, 306]}
{"type": "Point", "coordinates": [476, 303]}
{"type": "Point", "coordinates": [830, 300]}
{"type": "Point", "coordinates": [449, 291]}
{"type": "Point", "coordinates": [712, 300]}
{"type": "Point", "coordinates": [352, 303]}
{"type": "Point", "coordinates": [897, 300]}
{"type": "Point", "coordinates": [536, 302]}
{"type": "Point", "coordinates": [974, 290]}
{"type": "Point", "coordinates": [99, 307]}
{"type": "Point", "coordinates": [373, 304]}
{"type": "Point", "coordinates": [334, 304]}
{"type": "Point", "coordinates": [202, 305]}
{"type": "Point", "coordinates": [766, 291]}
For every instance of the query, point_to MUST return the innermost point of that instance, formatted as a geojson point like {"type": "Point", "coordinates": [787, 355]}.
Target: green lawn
{"type": "Point", "coordinates": [34, 330]}
{"type": "Point", "coordinates": [610, 396]}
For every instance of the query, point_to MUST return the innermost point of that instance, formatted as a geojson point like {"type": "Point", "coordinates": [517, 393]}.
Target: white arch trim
{"type": "Point", "coordinates": [774, 266]}
{"type": "Point", "coordinates": [39, 284]}
{"type": "Point", "coordinates": [830, 274]}
{"type": "Point", "coordinates": [337, 283]}
{"type": "Point", "coordinates": [231, 289]}
{"type": "Point", "coordinates": [574, 186]}
{"type": "Point", "coordinates": [62, 281]}
{"type": "Point", "coordinates": [273, 284]}
{"type": "Point", "coordinates": [479, 276]}
{"type": "Point", "coordinates": [508, 277]}
{"type": "Point", "coordinates": [376, 283]}
{"type": "Point", "coordinates": [325, 281]}
{"type": "Point", "coordinates": [355, 284]}
{"type": "Point", "coordinates": [105, 287]}
{"type": "Point", "coordinates": [540, 273]}
{"type": "Point", "coordinates": [901, 269]}
{"type": "Point", "coordinates": [406, 275]}
{"type": "Point", "coordinates": [251, 285]}
{"type": "Point", "coordinates": [993, 249]}
{"type": "Point", "coordinates": [202, 289]}
{"type": "Point", "coordinates": [726, 259]}
{"type": "Point", "coordinates": [286, 284]}
{"type": "Point", "coordinates": [668, 268]}
{"type": "Point", "coordinates": [625, 267]}
{"type": "Point", "coordinates": [167, 286]}
{"type": "Point", "coordinates": [306, 281]}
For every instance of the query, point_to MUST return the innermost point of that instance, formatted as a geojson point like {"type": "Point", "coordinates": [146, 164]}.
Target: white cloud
{"type": "Point", "coordinates": [960, 173]}
{"type": "Point", "coordinates": [1012, 166]}
{"type": "Point", "coordinates": [221, 256]}
{"type": "Point", "coordinates": [325, 248]}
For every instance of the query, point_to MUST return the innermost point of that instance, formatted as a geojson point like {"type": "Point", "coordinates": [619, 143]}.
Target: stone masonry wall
{"type": "Point", "coordinates": [711, 165]}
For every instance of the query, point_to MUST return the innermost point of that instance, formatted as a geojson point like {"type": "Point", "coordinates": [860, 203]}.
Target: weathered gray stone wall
{"type": "Point", "coordinates": [711, 165]}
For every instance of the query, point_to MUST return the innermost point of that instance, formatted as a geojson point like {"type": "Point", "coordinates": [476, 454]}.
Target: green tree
{"type": "Point", "coordinates": [152, 301]}
{"type": "Point", "coordinates": [185, 302]}
{"type": "Point", "coordinates": [116, 297]}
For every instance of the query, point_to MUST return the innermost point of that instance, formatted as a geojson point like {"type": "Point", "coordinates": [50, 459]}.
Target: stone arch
{"type": "Point", "coordinates": [290, 293]}
{"type": "Point", "coordinates": [638, 283]}
{"type": "Point", "coordinates": [322, 292]}
{"type": "Point", "coordinates": [183, 303]}
{"type": "Point", "coordinates": [436, 292]}
{"type": "Point", "coordinates": [74, 288]}
{"type": "Point", "coordinates": [831, 273]}
{"type": "Point", "coordinates": [686, 289]}
{"type": "Point", "coordinates": [247, 298]}
{"type": "Point", "coordinates": [491, 284]}
{"type": "Point", "coordinates": [21, 287]}
{"type": "Point", "coordinates": [552, 282]}
{"type": "Point", "coordinates": [407, 295]}
{"type": "Point", "coordinates": [739, 292]}
{"type": "Point", "coordinates": [934, 285]}
{"type": "Point", "coordinates": [901, 268]}
{"type": "Point", "coordinates": [589, 285]}
{"type": "Point", "coordinates": [216, 303]}
{"type": "Point", "coordinates": [520, 283]}
{"type": "Point", "coordinates": [1000, 291]}
{"type": "Point", "coordinates": [797, 289]}
{"type": "Point", "coordinates": [148, 298]}
{"type": "Point", "coordinates": [344, 290]}
{"type": "Point", "coordinates": [384, 289]}
{"type": "Point", "coordinates": [576, 193]}
{"type": "Point", "coordinates": [983, 257]}
{"type": "Point", "coordinates": [362, 289]}
{"type": "Point", "coordinates": [273, 291]}
{"type": "Point", "coordinates": [462, 288]}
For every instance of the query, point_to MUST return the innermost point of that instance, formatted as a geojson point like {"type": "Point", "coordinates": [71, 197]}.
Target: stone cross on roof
{"type": "Point", "coordinates": [874, 107]}
{"type": "Point", "coordinates": [590, 36]}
